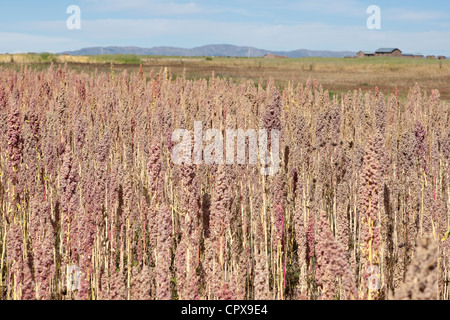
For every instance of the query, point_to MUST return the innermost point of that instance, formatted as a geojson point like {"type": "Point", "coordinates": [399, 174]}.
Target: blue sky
{"type": "Point", "coordinates": [413, 26]}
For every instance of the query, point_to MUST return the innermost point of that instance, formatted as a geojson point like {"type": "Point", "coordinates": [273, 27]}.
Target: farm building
{"type": "Point", "coordinates": [388, 52]}
{"type": "Point", "coordinates": [413, 55]}
{"type": "Point", "coordinates": [362, 54]}
{"type": "Point", "coordinates": [393, 52]}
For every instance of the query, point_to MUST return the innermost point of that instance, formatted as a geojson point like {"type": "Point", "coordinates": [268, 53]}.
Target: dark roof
{"type": "Point", "coordinates": [387, 50]}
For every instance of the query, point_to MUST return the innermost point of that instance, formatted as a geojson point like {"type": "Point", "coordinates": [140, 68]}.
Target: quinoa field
{"type": "Point", "coordinates": [94, 207]}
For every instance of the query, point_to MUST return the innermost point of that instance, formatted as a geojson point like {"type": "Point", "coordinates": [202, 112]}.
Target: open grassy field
{"type": "Point", "coordinates": [335, 74]}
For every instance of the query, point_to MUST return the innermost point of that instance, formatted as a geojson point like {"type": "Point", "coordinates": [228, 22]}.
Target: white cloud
{"type": "Point", "coordinates": [153, 7]}
{"type": "Point", "coordinates": [415, 16]}
{"type": "Point", "coordinates": [349, 8]}
{"type": "Point", "coordinates": [21, 42]}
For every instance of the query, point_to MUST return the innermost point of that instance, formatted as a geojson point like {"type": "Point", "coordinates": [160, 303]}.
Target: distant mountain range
{"type": "Point", "coordinates": [217, 50]}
